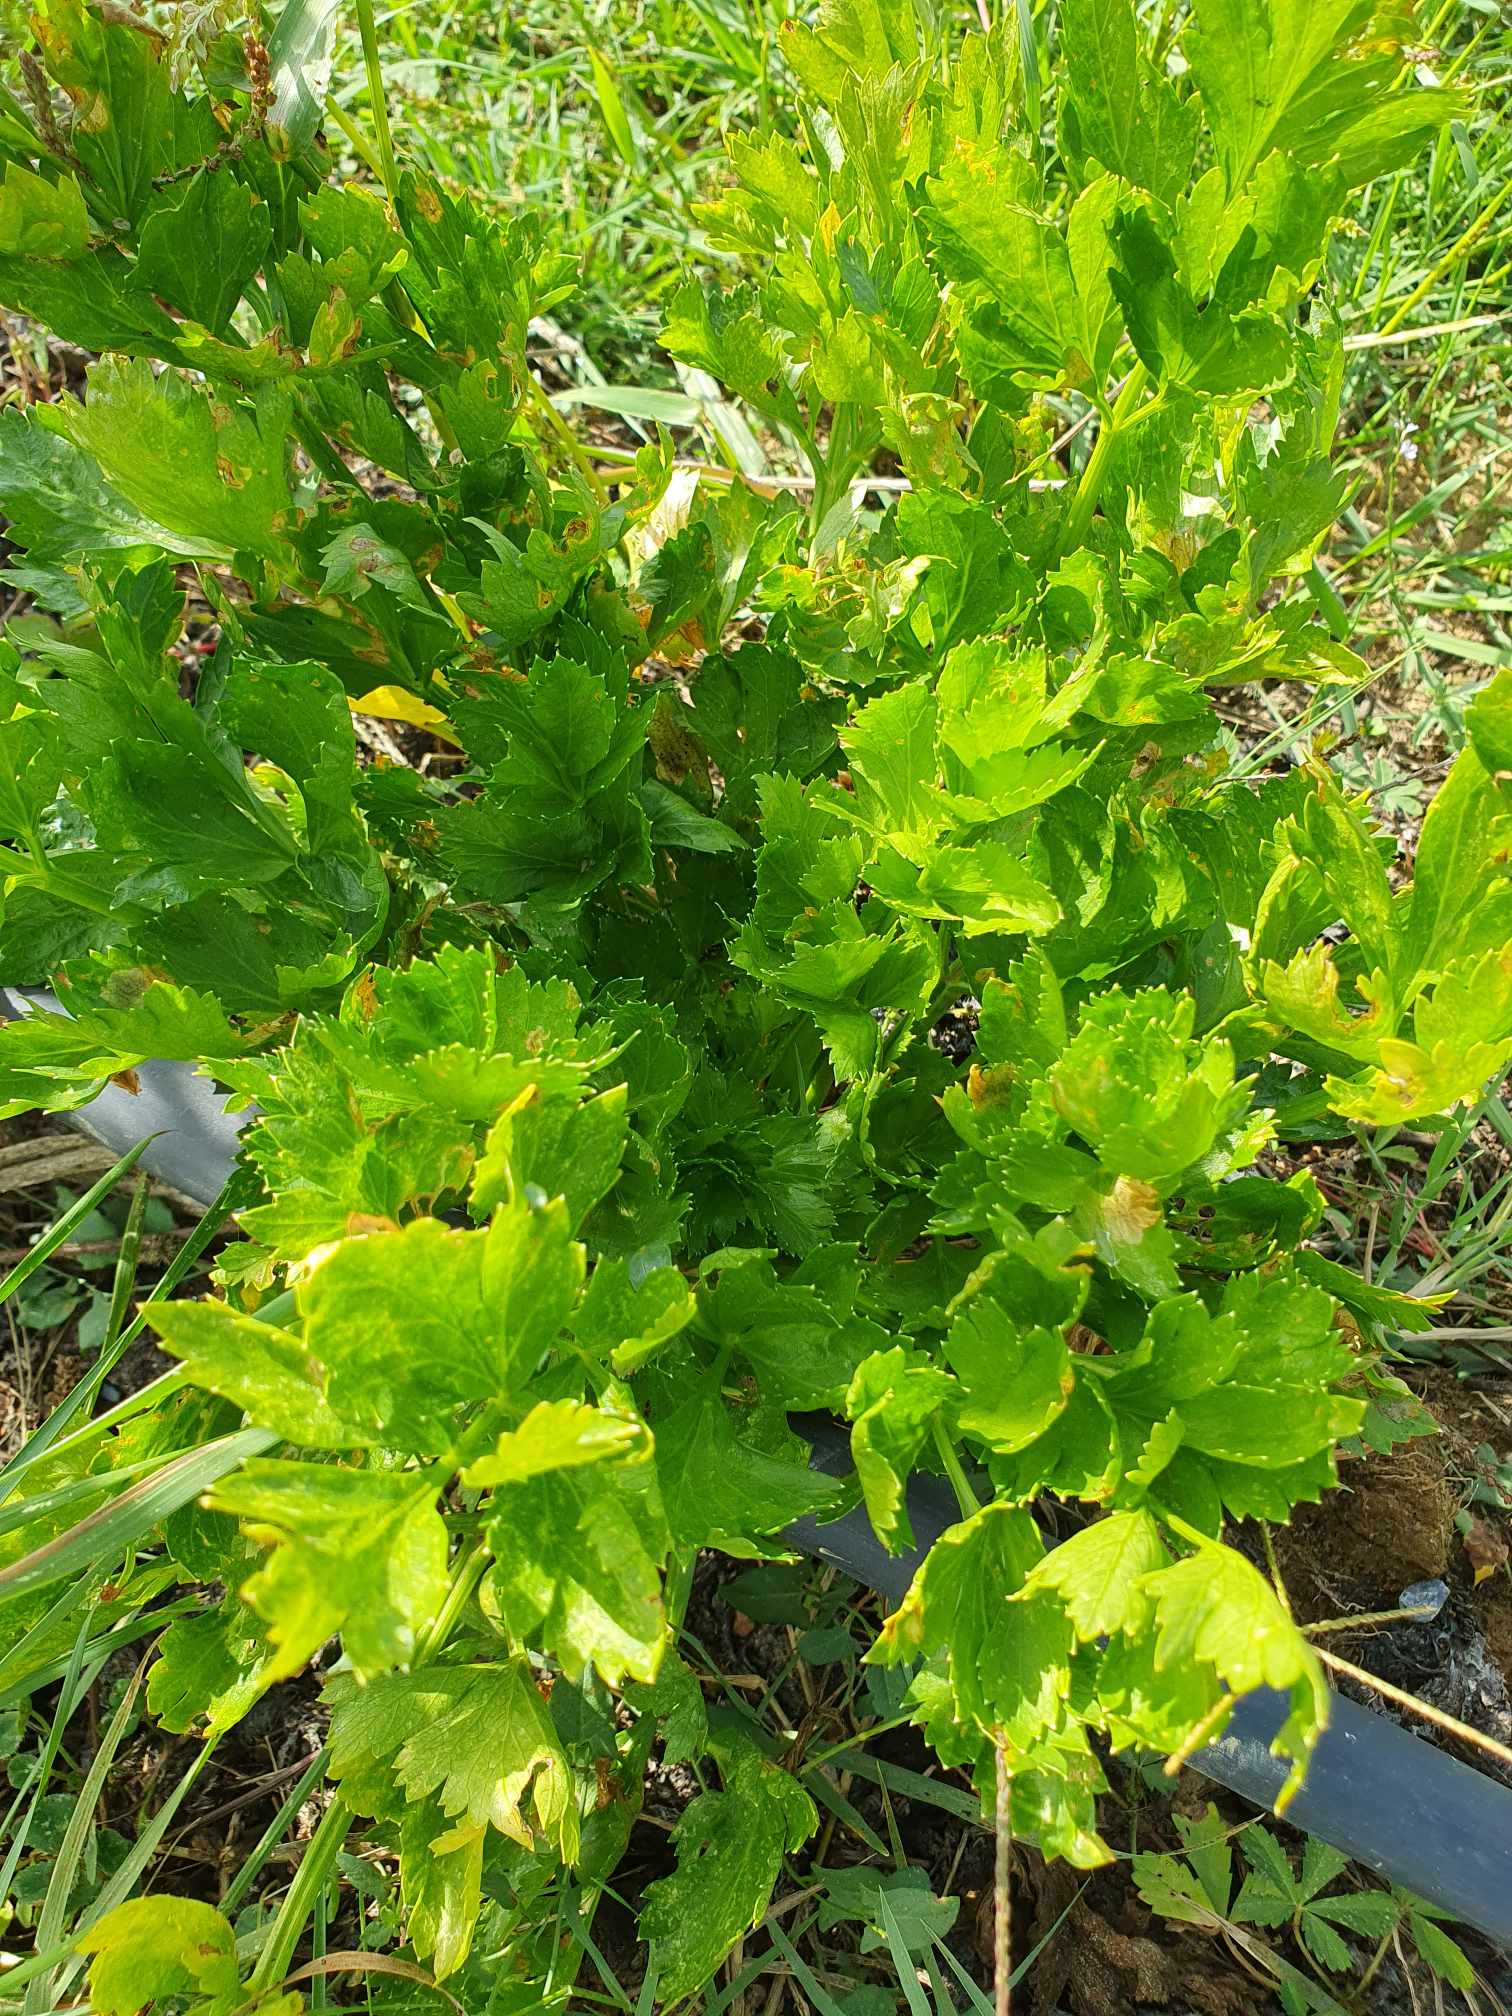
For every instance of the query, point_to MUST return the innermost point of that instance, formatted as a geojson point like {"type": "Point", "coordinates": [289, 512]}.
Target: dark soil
{"type": "Point", "coordinates": [1392, 1524]}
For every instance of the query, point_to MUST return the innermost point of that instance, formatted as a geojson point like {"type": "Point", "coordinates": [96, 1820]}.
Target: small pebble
{"type": "Point", "coordinates": [1426, 1599]}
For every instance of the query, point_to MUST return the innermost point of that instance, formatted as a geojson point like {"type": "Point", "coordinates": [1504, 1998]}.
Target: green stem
{"type": "Point", "coordinates": [368, 30]}
{"type": "Point", "coordinates": [1089, 490]}
{"type": "Point", "coordinates": [249, 1871]}
{"type": "Point", "coordinates": [72, 889]}
{"type": "Point", "coordinates": [465, 1578]}
{"type": "Point", "coordinates": [1188, 1533]}
{"type": "Point", "coordinates": [355, 138]}
{"type": "Point", "coordinates": [966, 1498]}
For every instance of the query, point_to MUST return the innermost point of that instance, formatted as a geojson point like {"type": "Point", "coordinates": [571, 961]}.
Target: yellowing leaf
{"type": "Point", "coordinates": [394, 703]}
{"type": "Point", "coordinates": [152, 1948]}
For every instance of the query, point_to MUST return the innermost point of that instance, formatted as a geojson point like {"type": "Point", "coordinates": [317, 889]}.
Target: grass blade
{"type": "Point", "coordinates": [277, 1827]}
{"type": "Point", "coordinates": [62, 1228]}
{"type": "Point", "coordinates": [803, 1974]}
{"type": "Point", "coordinates": [126, 1878]}
{"type": "Point", "coordinates": [65, 1867]}
{"type": "Point", "coordinates": [126, 1266]}
{"type": "Point", "coordinates": [240, 1187]}
{"type": "Point", "coordinates": [120, 1524]}
{"type": "Point", "coordinates": [902, 1959]}
{"type": "Point", "coordinates": [68, 1699]}
{"type": "Point", "coordinates": [616, 115]}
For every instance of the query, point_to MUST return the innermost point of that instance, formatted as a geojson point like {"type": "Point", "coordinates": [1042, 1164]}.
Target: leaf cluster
{"type": "Point", "coordinates": [602, 1120]}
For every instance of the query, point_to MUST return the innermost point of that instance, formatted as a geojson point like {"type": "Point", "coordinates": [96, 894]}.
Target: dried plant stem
{"type": "Point", "coordinates": [1451, 1724]}
{"type": "Point", "coordinates": [1002, 1892]}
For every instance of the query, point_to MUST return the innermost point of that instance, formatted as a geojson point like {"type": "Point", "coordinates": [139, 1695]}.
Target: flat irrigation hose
{"type": "Point", "coordinates": [1382, 1795]}
{"type": "Point", "coordinates": [196, 1137]}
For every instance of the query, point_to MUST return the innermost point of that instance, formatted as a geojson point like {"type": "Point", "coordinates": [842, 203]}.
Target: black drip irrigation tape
{"type": "Point", "coordinates": [1385, 1797]}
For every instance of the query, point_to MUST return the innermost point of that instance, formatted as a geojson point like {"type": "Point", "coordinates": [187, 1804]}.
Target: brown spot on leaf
{"type": "Point", "coordinates": [1133, 1206]}
{"type": "Point", "coordinates": [990, 1087]}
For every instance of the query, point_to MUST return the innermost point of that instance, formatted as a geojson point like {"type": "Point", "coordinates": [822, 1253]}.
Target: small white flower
{"type": "Point", "coordinates": [1407, 447]}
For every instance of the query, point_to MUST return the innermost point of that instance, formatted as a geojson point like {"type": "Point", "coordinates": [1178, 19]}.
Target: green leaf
{"type": "Point", "coordinates": [210, 470]}
{"type": "Point", "coordinates": [1206, 1842]}
{"type": "Point", "coordinates": [1146, 1097]}
{"type": "Point", "coordinates": [397, 1329]}
{"type": "Point", "coordinates": [441, 1880]}
{"type": "Point", "coordinates": [674, 823]}
{"type": "Point", "coordinates": [851, 980]}
{"type": "Point", "coordinates": [358, 558]}
{"type": "Point", "coordinates": [956, 1602]}
{"type": "Point", "coordinates": [725, 1486]}
{"type": "Point", "coordinates": [1214, 1610]}
{"type": "Point", "coordinates": [1324, 1944]}
{"type": "Point", "coordinates": [1016, 1376]}
{"type": "Point", "coordinates": [628, 1324]}
{"type": "Point", "coordinates": [894, 1399]}
{"type": "Point", "coordinates": [612, 104]}
{"type": "Point", "coordinates": [1098, 1573]}
{"type": "Point", "coordinates": [1039, 306]}
{"type": "Point", "coordinates": [578, 1545]}
{"type": "Point", "coordinates": [268, 1371]}
{"type": "Point", "coordinates": [478, 1738]}
{"type": "Point", "coordinates": [362, 1552]}
{"type": "Point", "coordinates": [556, 1435]}
{"type": "Point", "coordinates": [1488, 722]}
{"type": "Point", "coordinates": [1443, 1955]}
{"type": "Point", "coordinates": [720, 332]}
{"type": "Point", "coordinates": [1372, 1913]}
{"type": "Point", "coordinates": [676, 1700]}
{"type": "Point", "coordinates": [152, 1947]}
{"type": "Point", "coordinates": [1117, 107]}
{"type": "Point", "coordinates": [749, 714]}
{"type": "Point", "coordinates": [801, 1335]}
{"type": "Point", "coordinates": [891, 746]}
{"type": "Point", "coordinates": [729, 1846]}
{"type": "Point", "coordinates": [555, 1147]}
{"type": "Point", "coordinates": [39, 218]}
{"type": "Point", "coordinates": [1174, 1891]}
{"type": "Point", "coordinates": [60, 505]}
{"type": "Point", "coordinates": [201, 246]}
{"type": "Point", "coordinates": [920, 1917]}
{"type": "Point", "coordinates": [408, 1325]}
{"type": "Point", "coordinates": [1461, 888]}
{"type": "Point", "coordinates": [60, 1061]}
{"type": "Point", "coordinates": [211, 1669]}
{"type": "Point", "coordinates": [1463, 1031]}
{"type": "Point", "coordinates": [1315, 82]}
{"type": "Point", "coordinates": [1224, 347]}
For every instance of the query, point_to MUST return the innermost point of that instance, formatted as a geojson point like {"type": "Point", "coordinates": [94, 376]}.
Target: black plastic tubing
{"type": "Point", "coordinates": [196, 1138]}
{"type": "Point", "coordinates": [1383, 1796]}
